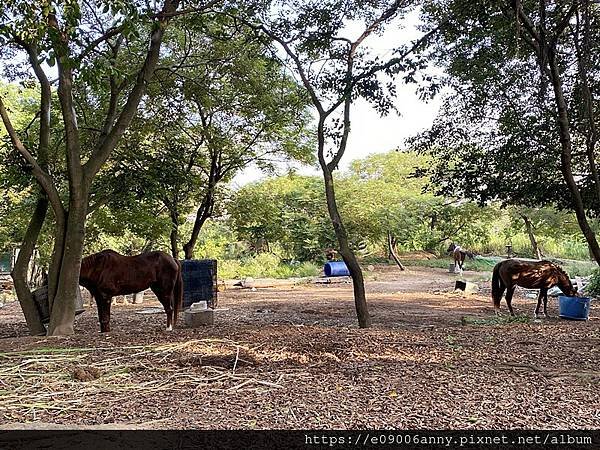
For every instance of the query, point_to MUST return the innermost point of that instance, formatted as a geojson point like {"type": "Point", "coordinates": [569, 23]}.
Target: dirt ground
{"type": "Point", "coordinates": [291, 356]}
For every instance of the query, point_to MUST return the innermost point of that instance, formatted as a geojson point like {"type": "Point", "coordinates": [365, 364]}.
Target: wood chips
{"type": "Point", "coordinates": [293, 357]}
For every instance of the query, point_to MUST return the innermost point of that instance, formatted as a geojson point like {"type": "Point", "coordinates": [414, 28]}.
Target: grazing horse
{"type": "Point", "coordinates": [459, 255]}
{"type": "Point", "coordinates": [108, 273]}
{"type": "Point", "coordinates": [540, 275]}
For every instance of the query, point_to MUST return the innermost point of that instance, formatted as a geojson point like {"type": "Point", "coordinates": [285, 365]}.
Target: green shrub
{"type": "Point", "coordinates": [265, 265]}
{"type": "Point", "coordinates": [478, 263]}
{"type": "Point", "coordinates": [593, 288]}
{"type": "Point", "coordinates": [580, 268]}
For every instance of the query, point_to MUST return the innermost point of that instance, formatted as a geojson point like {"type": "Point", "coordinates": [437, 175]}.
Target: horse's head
{"type": "Point", "coordinates": [451, 247]}
{"type": "Point", "coordinates": [571, 291]}
{"type": "Point", "coordinates": [564, 282]}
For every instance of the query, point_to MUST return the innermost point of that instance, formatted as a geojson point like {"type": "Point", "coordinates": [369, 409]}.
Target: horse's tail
{"type": "Point", "coordinates": [496, 286]}
{"type": "Point", "coordinates": [178, 293]}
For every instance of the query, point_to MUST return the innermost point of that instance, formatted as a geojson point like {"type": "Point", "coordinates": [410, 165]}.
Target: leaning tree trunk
{"type": "Point", "coordinates": [566, 156]}
{"type": "Point", "coordinates": [19, 272]}
{"type": "Point", "coordinates": [205, 210]}
{"type": "Point", "coordinates": [358, 282]}
{"type": "Point", "coordinates": [534, 243]}
{"type": "Point", "coordinates": [202, 215]}
{"type": "Point", "coordinates": [360, 299]}
{"type": "Point", "coordinates": [392, 250]}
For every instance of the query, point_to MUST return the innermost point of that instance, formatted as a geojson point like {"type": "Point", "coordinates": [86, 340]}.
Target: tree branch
{"type": "Point", "coordinates": [564, 22]}
{"type": "Point", "coordinates": [101, 153]}
{"type": "Point", "coordinates": [43, 178]}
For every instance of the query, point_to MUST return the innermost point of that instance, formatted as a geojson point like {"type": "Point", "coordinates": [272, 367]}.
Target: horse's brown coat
{"type": "Point", "coordinates": [108, 273]}
{"type": "Point", "coordinates": [540, 275]}
{"type": "Point", "coordinates": [459, 255]}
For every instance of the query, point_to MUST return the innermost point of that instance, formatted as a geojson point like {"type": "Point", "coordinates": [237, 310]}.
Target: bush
{"type": "Point", "coordinates": [580, 268]}
{"type": "Point", "coordinates": [593, 288]}
{"type": "Point", "coordinates": [265, 265]}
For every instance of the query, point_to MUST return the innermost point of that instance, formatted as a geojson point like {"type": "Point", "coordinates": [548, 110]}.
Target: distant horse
{"type": "Point", "coordinates": [459, 255]}
{"type": "Point", "coordinates": [331, 254]}
{"type": "Point", "coordinates": [108, 273]}
{"type": "Point", "coordinates": [540, 275]}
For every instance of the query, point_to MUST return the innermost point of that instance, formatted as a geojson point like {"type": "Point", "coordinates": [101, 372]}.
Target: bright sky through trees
{"type": "Point", "coordinates": [371, 133]}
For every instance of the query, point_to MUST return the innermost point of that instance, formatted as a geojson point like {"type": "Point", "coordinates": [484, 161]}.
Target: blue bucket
{"type": "Point", "coordinates": [336, 269]}
{"type": "Point", "coordinates": [576, 308]}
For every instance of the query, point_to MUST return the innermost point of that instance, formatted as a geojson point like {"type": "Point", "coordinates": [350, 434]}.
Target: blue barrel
{"type": "Point", "coordinates": [199, 281]}
{"type": "Point", "coordinates": [576, 308]}
{"type": "Point", "coordinates": [336, 269]}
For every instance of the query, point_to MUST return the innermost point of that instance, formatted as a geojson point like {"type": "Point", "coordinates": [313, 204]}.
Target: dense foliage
{"type": "Point", "coordinates": [378, 195]}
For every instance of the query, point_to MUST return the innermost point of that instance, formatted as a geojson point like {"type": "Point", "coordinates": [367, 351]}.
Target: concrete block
{"type": "Point", "coordinates": [198, 318]}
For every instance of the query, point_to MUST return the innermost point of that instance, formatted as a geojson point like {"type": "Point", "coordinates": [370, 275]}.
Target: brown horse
{"type": "Point", "coordinates": [331, 254]}
{"type": "Point", "coordinates": [108, 273]}
{"type": "Point", "coordinates": [540, 275]}
{"type": "Point", "coordinates": [459, 255]}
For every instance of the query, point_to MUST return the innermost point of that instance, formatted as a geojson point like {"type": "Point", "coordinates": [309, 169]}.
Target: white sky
{"type": "Point", "coordinates": [371, 133]}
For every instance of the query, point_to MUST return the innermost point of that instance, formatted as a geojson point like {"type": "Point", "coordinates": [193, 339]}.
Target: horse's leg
{"type": "Point", "coordinates": [165, 300]}
{"type": "Point", "coordinates": [502, 288]}
{"type": "Point", "coordinates": [545, 302]}
{"type": "Point", "coordinates": [509, 295]}
{"type": "Point", "coordinates": [103, 303]}
{"type": "Point", "coordinates": [539, 303]}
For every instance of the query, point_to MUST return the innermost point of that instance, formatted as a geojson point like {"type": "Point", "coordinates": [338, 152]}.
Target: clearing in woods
{"type": "Point", "coordinates": [291, 356]}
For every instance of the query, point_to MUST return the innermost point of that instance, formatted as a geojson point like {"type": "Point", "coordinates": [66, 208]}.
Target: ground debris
{"type": "Point", "coordinates": [86, 373]}
{"type": "Point", "coordinates": [429, 361]}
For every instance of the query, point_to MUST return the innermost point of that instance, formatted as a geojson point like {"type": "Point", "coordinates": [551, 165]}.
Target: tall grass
{"type": "Point", "coordinates": [485, 264]}
{"type": "Point", "coordinates": [567, 247]}
{"type": "Point", "coordinates": [265, 265]}
{"type": "Point", "coordinates": [477, 264]}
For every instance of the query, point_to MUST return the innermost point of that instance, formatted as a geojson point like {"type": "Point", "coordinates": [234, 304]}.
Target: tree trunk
{"type": "Point", "coordinates": [360, 300]}
{"type": "Point", "coordinates": [57, 254]}
{"type": "Point", "coordinates": [174, 236]}
{"type": "Point", "coordinates": [62, 313]}
{"type": "Point", "coordinates": [171, 205]}
{"type": "Point", "coordinates": [392, 251]}
{"type": "Point", "coordinates": [565, 157]}
{"type": "Point", "coordinates": [534, 244]}
{"type": "Point", "coordinates": [202, 215]}
{"type": "Point", "coordinates": [19, 272]}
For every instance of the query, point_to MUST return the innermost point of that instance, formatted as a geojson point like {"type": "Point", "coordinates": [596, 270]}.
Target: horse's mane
{"type": "Point", "coordinates": [560, 271]}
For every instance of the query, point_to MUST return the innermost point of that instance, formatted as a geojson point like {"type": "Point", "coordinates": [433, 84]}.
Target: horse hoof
{"type": "Point", "coordinates": [169, 328]}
